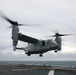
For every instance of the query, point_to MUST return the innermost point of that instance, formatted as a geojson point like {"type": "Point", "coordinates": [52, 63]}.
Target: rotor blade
{"type": "Point", "coordinates": [10, 21]}
{"type": "Point", "coordinates": [21, 25]}
{"type": "Point", "coordinates": [35, 25]}
{"type": "Point", "coordinates": [14, 22]}
{"type": "Point", "coordinates": [64, 34]}
{"type": "Point", "coordinates": [60, 35]}
{"type": "Point", "coordinates": [7, 19]}
{"type": "Point", "coordinates": [57, 34]}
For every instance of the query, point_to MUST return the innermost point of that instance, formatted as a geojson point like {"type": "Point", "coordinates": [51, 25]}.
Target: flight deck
{"type": "Point", "coordinates": [21, 69]}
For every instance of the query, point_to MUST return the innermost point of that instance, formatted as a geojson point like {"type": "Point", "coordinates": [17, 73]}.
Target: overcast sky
{"type": "Point", "coordinates": [52, 15]}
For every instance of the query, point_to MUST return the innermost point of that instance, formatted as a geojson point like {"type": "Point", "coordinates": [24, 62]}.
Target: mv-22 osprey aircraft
{"type": "Point", "coordinates": [34, 46]}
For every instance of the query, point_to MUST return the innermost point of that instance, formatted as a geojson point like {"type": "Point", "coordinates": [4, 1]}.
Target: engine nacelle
{"type": "Point", "coordinates": [15, 31]}
{"type": "Point", "coordinates": [59, 41]}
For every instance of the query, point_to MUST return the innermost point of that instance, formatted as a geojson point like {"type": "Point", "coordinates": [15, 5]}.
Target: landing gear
{"type": "Point", "coordinates": [28, 54]}
{"type": "Point", "coordinates": [56, 51]}
{"type": "Point", "coordinates": [40, 55]}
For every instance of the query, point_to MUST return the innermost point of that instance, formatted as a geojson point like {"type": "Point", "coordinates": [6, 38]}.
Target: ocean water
{"type": "Point", "coordinates": [47, 63]}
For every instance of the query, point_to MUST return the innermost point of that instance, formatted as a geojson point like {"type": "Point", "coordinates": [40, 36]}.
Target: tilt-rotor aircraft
{"type": "Point", "coordinates": [34, 46]}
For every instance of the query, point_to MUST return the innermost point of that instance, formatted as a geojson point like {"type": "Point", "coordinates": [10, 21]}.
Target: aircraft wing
{"type": "Point", "coordinates": [28, 39]}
